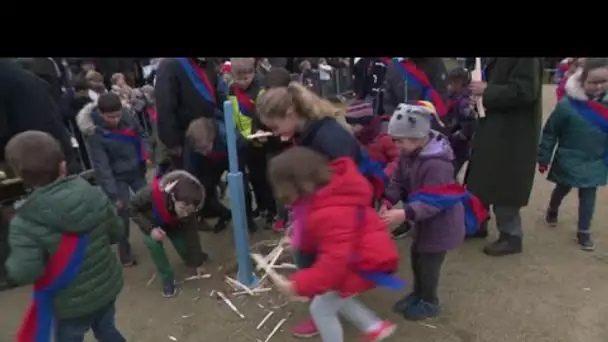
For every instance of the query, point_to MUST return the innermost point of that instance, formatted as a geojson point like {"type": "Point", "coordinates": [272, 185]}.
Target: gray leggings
{"type": "Point", "coordinates": [325, 308]}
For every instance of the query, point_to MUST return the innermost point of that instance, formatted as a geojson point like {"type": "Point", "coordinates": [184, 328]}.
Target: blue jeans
{"type": "Point", "coordinates": [101, 322]}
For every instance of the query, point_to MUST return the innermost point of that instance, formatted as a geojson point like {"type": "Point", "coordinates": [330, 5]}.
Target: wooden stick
{"type": "Point", "coordinates": [254, 291]}
{"type": "Point", "coordinates": [273, 275]}
{"type": "Point", "coordinates": [276, 328]}
{"type": "Point", "coordinates": [198, 277]}
{"type": "Point", "coordinates": [286, 266]}
{"type": "Point", "coordinates": [239, 284]}
{"type": "Point", "coordinates": [264, 320]}
{"type": "Point", "coordinates": [230, 305]}
{"type": "Point", "coordinates": [151, 279]}
{"type": "Point", "coordinates": [477, 76]}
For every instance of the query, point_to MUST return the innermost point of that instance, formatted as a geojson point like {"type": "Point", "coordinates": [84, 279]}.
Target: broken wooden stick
{"type": "Point", "coordinates": [273, 275]}
{"type": "Point", "coordinates": [151, 279]}
{"type": "Point", "coordinates": [264, 320]}
{"type": "Point", "coordinates": [198, 277]}
{"type": "Point", "coordinates": [230, 305]}
{"type": "Point", "coordinates": [476, 75]}
{"type": "Point", "coordinates": [254, 291]}
{"type": "Point", "coordinates": [236, 283]}
{"type": "Point", "coordinates": [276, 328]}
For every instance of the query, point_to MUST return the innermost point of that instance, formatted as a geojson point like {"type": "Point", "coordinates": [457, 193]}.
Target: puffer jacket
{"type": "Point", "coordinates": [69, 205]}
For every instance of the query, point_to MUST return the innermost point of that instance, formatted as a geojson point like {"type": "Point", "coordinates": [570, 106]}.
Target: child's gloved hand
{"type": "Point", "coordinates": [393, 216]}
{"type": "Point", "coordinates": [542, 169]}
{"type": "Point", "coordinates": [158, 234]}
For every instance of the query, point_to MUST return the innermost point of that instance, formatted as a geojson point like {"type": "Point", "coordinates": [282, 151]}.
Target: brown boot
{"type": "Point", "coordinates": [505, 245]}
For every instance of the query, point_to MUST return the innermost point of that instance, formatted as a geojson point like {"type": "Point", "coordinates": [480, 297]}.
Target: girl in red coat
{"type": "Point", "coordinates": [334, 223]}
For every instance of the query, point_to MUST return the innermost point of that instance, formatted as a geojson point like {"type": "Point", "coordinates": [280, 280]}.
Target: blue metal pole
{"type": "Point", "coordinates": [237, 202]}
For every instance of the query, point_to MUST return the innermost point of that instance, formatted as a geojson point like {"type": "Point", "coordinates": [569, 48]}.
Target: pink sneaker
{"type": "Point", "coordinates": [305, 329]}
{"type": "Point", "coordinates": [385, 331]}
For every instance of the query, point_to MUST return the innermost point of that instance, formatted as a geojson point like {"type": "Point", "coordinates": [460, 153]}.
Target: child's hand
{"type": "Point", "coordinates": [478, 87]}
{"type": "Point", "coordinates": [394, 216]}
{"type": "Point", "coordinates": [285, 243]}
{"type": "Point", "coordinates": [158, 234]}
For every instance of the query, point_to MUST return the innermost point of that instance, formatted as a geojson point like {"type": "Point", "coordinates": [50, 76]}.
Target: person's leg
{"type": "Point", "coordinates": [508, 222]}
{"type": "Point", "coordinates": [163, 266]}
{"type": "Point", "coordinates": [124, 246]}
{"type": "Point", "coordinates": [256, 165]}
{"type": "Point", "coordinates": [72, 330]}
{"type": "Point", "coordinates": [324, 312]}
{"type": "Point", "coordinates": [365, 320]}
{"type": "Point", "coordinates": [413, 296]}
{"type": "Point", "coordinates": [557, 196]}
{"type": "Point", "coordinates": [104, 325]}
{"type": "Point", "coordinates": [586, 208]}
{"type": "Point", "coordinates": [428, 271]}
{"type": "Point", "coordinates": [187, 244]}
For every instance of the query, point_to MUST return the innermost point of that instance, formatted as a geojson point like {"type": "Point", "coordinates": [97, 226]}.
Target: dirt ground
{"type": "Point", "coordinates": [552, 292]}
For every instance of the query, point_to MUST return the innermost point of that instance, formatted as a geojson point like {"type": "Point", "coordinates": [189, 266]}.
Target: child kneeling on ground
{"type": "Point", "coordinates": [336, 227]}
{"type": "Point", "coordinates": [60, 240]}
{"type": "Point", "coordinates": [167, 210]}
{"type": "Point", "coordinates": [425, 164]}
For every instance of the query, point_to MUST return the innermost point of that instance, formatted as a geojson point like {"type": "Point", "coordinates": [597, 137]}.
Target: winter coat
{"type": "Point", "coordinates": [505, 143]}
{"type": "Point", "coordinates": [328, 137]}
{"type": "Point", "coordinates": [435, 230]}
{"type": "Point", "coordinates": [346, 235]}
{"type": "Point", "coordinates": [579, 160]}
{"type": "Point", "coordinates": [69, 205]}
{"type": "Point", "coordinates": [113, 159]}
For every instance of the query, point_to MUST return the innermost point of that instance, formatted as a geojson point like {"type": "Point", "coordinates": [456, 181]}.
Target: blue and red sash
{"type": "Point", "coordinates": [373, 171]}
{"type": "Point", "coordinates": [132, 137]}
{"type": "Point", "coordinates": [415, 77]}
{"type": "Point", "coordinates": [445, 197]}
{"type": "Point", "coordinates": [61, 269]}
{"type": "Point", "coordinates": [159, 205]}
{"type": "Point", "coordinates": [246, 104]}
{"type": "Point", "coordinates": [199, 80]}
{"type": "Point", "coordinates": [595, 113]}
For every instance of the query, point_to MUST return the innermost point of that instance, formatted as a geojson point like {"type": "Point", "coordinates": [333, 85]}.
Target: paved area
{"type": "Point", "coordinates": [553, 292]}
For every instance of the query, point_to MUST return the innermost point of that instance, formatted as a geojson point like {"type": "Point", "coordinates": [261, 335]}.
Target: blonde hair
{"type": "Point", "coordinates": [94, 76]}
{"type": "Point", "coordinates": [275, 103]}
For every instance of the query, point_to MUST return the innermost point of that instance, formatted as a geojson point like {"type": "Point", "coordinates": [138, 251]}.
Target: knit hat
{"type": "Point", "coordinates": [359, 113]}
{"type": "Point", "coordinates": [410, 121]}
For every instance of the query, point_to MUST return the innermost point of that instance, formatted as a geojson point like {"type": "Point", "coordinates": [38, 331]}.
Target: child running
{"type": "Point", "coordinates": [425, 165]}
{"type": "Point", "coordinates": [577, 130]}
{"type": "Point", "coordinates": [338, 229]}
{"type": "Point", "coordinates": [119, 150]}
{"type": "Point", "coordinates": [63, 221]}
{"type": "Point", "coordinates": [167, 210]}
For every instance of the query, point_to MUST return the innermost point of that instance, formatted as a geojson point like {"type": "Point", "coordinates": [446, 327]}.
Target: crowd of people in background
{"type": "Point", "coordinates": [328, 174]}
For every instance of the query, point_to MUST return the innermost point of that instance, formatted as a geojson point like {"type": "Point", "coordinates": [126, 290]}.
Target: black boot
{"type": "Point", "coordinates": [551, 218]}
{"type": "Point", "coordinates": [505, 245]}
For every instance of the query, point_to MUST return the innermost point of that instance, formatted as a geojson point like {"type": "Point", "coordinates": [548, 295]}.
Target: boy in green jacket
{"type": "Point", "coordinates": [64, 224]}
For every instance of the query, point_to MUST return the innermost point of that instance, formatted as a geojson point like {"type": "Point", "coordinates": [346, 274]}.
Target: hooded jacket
{"type": "Point", "coordinates": [346, 235]}
{"type": "Point", "coordinates": [112, 159]}
{"type": "Point", "coordinates": [69, 205]}
{"type": "Point", "coordinates": [435, 230]}
{"type": "Point", "coordinates": [579, 160]}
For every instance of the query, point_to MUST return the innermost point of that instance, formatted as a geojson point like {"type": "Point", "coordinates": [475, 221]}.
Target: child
{"type": "Point", "coordinates": [63, 221]}
{"type": "Point", "coordinates": [243, 94]}
{"type": "Point", "coordinates": [425, 164]}
{"type": "Point", "coordinates": [121, 88]}
{"type": "Point", "coordinates": [118, 147]}
{"type": "Point", "coordinates": [578, 130]}
{"type": "Point", "coordinates": [335, 225]}
{"type": "Point", "coordinates": [460, 120]}
{"type": "Point", "coordinates": [207, 138]}
{"type": "Point", "coordinates": [307, 75]}
{"type": "Point", "coordinates": [96, 85]}
{"type": "Point", "coordinates": [168, 209]}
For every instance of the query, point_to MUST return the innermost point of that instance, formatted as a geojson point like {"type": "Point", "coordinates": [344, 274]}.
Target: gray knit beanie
{"type": "Point", "coordinates": [410, 121]}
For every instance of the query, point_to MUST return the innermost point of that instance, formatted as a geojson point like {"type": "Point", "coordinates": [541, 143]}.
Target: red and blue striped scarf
{"type": "Point", "coordinates": [129, 136]}
{"type": "Point", "coordinates": [199, 80]}
{"type": "Point", "coordinates": [595, 114]}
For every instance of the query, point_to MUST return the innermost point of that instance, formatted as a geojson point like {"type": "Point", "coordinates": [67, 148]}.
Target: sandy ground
{"type": "Point", "coordinates": [552, 292]}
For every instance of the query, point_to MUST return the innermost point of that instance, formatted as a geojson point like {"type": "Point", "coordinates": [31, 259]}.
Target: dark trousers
{"type": "Point", "coordinates": [125, 187]}
{"type": "Point", "coordinates": [102, 322]}
{"type": "Point", "coordinates": [586, 204]}
{"type": "Point", "coordinates": [426, 267]}
{"type": "Point", "coordinates": [257, 161]}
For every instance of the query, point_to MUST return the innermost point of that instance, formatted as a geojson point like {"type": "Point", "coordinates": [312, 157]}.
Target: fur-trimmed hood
{"type": "Point", "coordinates": [84, 119]}
{"type": "Point", "coordinates": [575, 90]}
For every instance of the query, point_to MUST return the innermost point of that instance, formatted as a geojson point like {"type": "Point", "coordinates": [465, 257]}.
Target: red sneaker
{"type": "Point", "coordinates": [305, 329]}
{"type": "Point", "coordinates": [278, 225]}
{"type": "Point", "coordinates": [383, 332]}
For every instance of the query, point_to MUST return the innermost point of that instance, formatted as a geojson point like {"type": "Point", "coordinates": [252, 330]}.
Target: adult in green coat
{"type": "Point", "coordinates": [580, 147]}
{"type": "Point", "coordinates": [63, 205]}
{"type": "Point", "coordinates": [505, 144]}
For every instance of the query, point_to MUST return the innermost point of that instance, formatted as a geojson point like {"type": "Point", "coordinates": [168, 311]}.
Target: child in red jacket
{"type": "Point", "coordinates": [336, 227]}
{"type": "Point", "coordinates": [367, 128]}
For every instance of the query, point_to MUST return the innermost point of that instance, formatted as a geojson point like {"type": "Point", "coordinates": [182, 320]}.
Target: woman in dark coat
{"type": "Point", "coordinates": [505, 144]}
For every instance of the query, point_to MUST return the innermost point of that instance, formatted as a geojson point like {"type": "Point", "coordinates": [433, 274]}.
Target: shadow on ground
{"type": "Point", "coordinates": [553, 292]}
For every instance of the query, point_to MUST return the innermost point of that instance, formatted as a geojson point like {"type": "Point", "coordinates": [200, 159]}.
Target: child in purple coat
{"type": "Point", "coordinates": [425, 163]}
